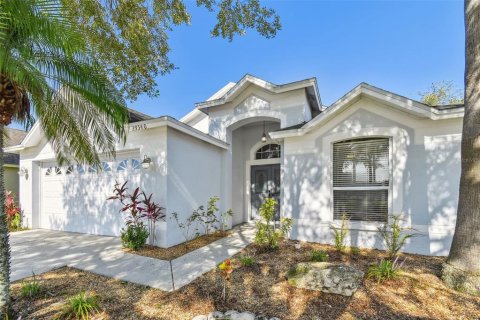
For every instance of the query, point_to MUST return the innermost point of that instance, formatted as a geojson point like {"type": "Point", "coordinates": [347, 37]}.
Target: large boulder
{"type": "Point", "coordinates": [326, 277]}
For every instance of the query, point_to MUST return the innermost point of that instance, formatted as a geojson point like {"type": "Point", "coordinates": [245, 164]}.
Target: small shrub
{"type": "Point", "coordinates": [226, 268]}
{"type": "Point", "coordinates": [138, 207]}
{"type": "Point", "coordinates": [224, 217]}
{"type": "Point", "coordinates": [295, 271]}
{"type": "Point", "coordinates": [13, 212]}
{"type": "Point", "coordinates": [31, 288]}
{"type": "Point", "coordinates": [355, 250]}
{"type": "Point", "coordinates": [81, 306]}
{"type": "Point", "coordinates": [340, 234]}
{"type": "Point", "coordinates": [188, 228]}
{"type": "Point", "coordinates": [319, 256]}
{"type": "Point", "coordinates": [385, 270]}
{"type": "Point", "coordinates": [208, 218]}
{"type": "Point", "coordinates": [247, 261]}
{"type": "Point", "coordinates": [394, 236]}
{"type": "Point", "coordinates": [134, 236]}
{"type": "Point", "coordinates": [267, 234]}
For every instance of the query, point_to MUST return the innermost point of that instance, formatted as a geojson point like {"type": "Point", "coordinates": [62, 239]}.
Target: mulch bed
{"type": "Point", "coordinates": [180, 249]}
{"type": "Point", "coordinates": [262, 289]}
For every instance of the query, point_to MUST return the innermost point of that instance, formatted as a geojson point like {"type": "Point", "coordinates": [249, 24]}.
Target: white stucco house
{"type": "Point", "coordinates": [370, 154]}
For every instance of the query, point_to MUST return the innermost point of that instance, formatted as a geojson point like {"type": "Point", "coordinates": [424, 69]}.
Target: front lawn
{"type": "Point", "coordinates": [262, 289]}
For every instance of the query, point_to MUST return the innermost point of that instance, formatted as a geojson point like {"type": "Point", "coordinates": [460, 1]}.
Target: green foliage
{"type": "Point", "coordinates": [224, 217]}
{"type": "Point", "coordinates": [208, 219]}
{"type": "Point", "coordinates": [247, 261]}
{"type": "Point", "coordinates": [296, 271]}
{"type": "Point", "coordinates": [130, 38]}
{"type": "Point", "coordinates": [267, 233]}
{"type": "Point", "coordinates": [394, 236]}
{"type": "Point", "coordinates": [188, 228]}
{"type": "Point", "coordinates": [384, 270]}
{"type": "Point", "coordinates": [355, 250]}
{"type": "Point", "coordinates": [340, 234]}
{"type": "Point", "coordinates": [319, 256]}
{"type": "Point", "coordinates": [441, 93]}
{"type": "Point", "coordinates": [134, 236]}
{"type": "Point", "coordinates": [30, 288]}
{"type": "Point", "coordinates": [80, 306]}
{"type": "Point", "coordinates": [46, 60]}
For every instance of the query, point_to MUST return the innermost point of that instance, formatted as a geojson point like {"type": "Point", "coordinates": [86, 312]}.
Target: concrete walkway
{"type": "Point", "coordinates": [42, 250]}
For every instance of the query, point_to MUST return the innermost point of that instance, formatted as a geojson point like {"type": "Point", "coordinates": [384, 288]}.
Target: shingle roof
{"type": "Point", "coordinates": [449, 106]}
{"type": "Point", "coordinates": [135, 116]}
{"type": "Point", "coordinates": [13, 137]}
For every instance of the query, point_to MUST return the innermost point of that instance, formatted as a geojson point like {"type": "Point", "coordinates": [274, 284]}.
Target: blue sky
{"type": "Point", "coordinates": [401, 46]}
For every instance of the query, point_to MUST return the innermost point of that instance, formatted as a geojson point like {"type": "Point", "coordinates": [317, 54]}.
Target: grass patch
{"type": "Point", "coordinates": [31, 288]}
{"type": "Point", "coordinates": [80, 306]}
{"type": "Point", "coordinates": [319, 256]}
{"type": "Point", "coordinates": [247, 261]}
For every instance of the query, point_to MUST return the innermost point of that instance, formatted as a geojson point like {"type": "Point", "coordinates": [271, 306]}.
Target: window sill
{"type": "Point", "coordinates": [359, 225]}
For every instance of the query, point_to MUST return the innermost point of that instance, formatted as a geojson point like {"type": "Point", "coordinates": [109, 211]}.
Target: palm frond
{"type": "Point", "coordinates": [44, 55]}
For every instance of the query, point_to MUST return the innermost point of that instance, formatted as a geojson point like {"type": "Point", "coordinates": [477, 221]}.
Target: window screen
{"type": "Point", "coordinates": [361, 176]}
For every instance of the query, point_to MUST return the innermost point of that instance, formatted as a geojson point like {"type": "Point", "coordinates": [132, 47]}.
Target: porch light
{"type": "Point", "coordinates": [264, 135]}
{"type": "Point", "coordinates": [146, 162]}
{"type": "Point", "coordinates": [23, 172]}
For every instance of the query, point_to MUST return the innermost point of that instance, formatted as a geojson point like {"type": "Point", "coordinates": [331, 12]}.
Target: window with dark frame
{"type": "Point", "coordinates": [268, 151]}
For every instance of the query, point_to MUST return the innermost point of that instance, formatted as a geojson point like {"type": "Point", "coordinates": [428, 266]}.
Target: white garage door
{"type": "Point", "coordinates": [74, 198]}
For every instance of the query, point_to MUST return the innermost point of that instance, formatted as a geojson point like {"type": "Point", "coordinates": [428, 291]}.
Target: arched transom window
{"type": "Point", "coordinates": [268, 151]}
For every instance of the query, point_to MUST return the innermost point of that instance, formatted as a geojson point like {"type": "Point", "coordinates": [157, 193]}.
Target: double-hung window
{"type": "Point", "coordinates": [361, 178]}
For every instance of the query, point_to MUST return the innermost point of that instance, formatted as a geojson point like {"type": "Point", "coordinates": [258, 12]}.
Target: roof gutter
{"type": "Point", "coordinates": [415, 108]}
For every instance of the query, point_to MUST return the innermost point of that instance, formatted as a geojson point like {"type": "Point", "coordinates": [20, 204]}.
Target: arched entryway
{"type": "Point", "coordinates": [250, 154]}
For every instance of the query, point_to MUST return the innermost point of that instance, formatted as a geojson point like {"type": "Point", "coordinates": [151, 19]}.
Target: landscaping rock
{"type": "Point", "coordinates": [232, 315]}
{"type": "Point", "coordinates": [215, 315]}
{"type": "Point", "coordinates": [243, 316]}
{"type": "Point", "coordinates": [326, 277]}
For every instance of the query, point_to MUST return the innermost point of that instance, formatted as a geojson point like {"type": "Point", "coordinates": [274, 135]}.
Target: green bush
{"type": "Point", "coordinates": [394, 236]}
{"type": "Point", "coordinates": [383, 271]}
{"type": "Point", "coordinates": [134, 236]}
{"type": "Point", "coordinates": [355, 250]}
{"type": "Point", "coordinates": [247, 261]}
{"type": "Point", "coordinates": [319, 256]}
{"type": "Point", "coordinates": [267, 233]}
{"type": "Point", "coordinates": [81, 306]}
{"type": "Point", "coordinates": [31, 288]}
{"type": "Point", "coordinates": [340, 234]}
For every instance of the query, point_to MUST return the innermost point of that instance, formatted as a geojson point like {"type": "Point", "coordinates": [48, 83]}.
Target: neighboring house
{"type": "Point", "coordinates": [12, 137]}
{"type": "Point", "coordinates": [369, 155]}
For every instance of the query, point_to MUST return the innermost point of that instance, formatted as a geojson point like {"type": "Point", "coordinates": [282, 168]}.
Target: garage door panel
{"type": "Point", "coordinates": [77, 201]}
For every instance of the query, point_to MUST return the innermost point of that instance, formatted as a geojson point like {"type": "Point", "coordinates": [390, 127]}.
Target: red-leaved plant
{"type": "Point", "coordinates": [12, 211]}
{"type": "Point", "coordinates": [138, 206]}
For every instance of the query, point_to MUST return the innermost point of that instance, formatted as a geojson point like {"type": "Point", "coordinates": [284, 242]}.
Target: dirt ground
{"type": "Point", "coordinates": [263, 289]}
{"type": "Point", "coordinates": [179, 250]}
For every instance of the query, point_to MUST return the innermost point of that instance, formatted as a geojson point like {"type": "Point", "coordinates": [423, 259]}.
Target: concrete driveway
{"type": "Point", "coordinates": [42, 250]}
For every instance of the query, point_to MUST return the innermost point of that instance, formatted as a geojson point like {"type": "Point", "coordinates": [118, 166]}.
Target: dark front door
{"type": "Point", "coordinates": [265, 181]}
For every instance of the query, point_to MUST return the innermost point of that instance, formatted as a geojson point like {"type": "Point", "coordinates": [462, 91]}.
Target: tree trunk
{"type": "Point", "coordinates": [4, 242]}
{"type": "Point", "coordinates": [462, 269]}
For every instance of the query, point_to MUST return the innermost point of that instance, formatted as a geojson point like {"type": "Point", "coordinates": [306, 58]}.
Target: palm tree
{"type": "Point", "coordinates": [46, 68]}
{"type": "Point", "coordinates": [462, 269]}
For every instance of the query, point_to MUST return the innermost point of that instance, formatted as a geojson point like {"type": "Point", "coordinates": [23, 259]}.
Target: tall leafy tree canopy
{"type": "Point", "coordinates": [130, 37]}
{"type": "Point", "coordinates": [442, 93]}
